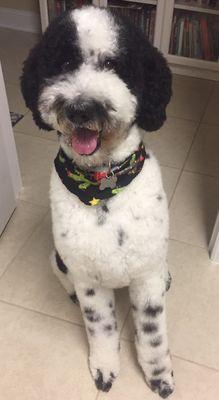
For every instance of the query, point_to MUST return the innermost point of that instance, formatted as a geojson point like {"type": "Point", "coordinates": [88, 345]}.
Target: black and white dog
{"type": "Point", "coordinates": [96, 79]}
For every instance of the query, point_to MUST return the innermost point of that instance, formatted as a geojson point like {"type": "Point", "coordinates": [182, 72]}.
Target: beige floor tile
{"type": "Point", "coordinates": [22, 223]}
{"type": "Point", "coordinates": [194, 208]}
{"type": "Point", "coordinates": [192, 381]}
{"type": "Point", "coordinates": [14, 48]}
{"type": "Point", "coordinates": [170, 177]}
{"type": "Point", "coordinates": [204, 153]}
{"type": "Point", "coordinates": [27, 126]}
{"type": "Point", "coordinates": [211, 114]}
{"type": "Point", "coordinates": [36, 160]}
{"type": "Point", "coordinates": [30, 282]}
{"type": "Point", "coordinates": [172, 142]}
{"type": "Point", "coordinates": [15, 99]}
{"type": "Point", "coordinates": [190, 97]}
{"type": "Point", "coordinates": [193, 304]}
{"type": "Point", "coordinates": [42, 358]}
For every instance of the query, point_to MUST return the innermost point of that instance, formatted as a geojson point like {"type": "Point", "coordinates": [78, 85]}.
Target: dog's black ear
{"type": "Point", "coordinates": [31, 81]}
{"type": "Point", "coordinates": [156, 89]}
{"type": "Point", "coordinates": [56, 49]}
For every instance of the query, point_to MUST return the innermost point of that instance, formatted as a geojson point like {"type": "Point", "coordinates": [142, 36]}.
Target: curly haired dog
{"type": "Point", "coordinates": [96, 79]}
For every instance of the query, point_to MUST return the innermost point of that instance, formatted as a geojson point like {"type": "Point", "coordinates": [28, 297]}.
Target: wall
{"type": "Point", "coordinates": [27, 5]}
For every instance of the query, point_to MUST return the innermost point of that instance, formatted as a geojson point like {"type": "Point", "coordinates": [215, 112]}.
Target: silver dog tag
{"type": "Point", "coordinates": [109, 182]}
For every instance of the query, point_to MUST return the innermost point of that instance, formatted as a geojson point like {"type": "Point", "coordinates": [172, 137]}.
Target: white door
{"type": "Point", "coordinates": [10, 180]}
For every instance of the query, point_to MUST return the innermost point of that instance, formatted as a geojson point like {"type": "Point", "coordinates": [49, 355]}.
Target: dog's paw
{"type": "Point", "coordinates": [104, 383]}
{"type": "Point", "coordinates": [104, 375]}
{"type": "Point", "coordinates": [168, 281]}
{"type": "Point", "coordinates": [164, 386]}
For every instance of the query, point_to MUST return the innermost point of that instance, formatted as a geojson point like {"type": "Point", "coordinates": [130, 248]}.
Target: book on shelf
{"type": "Point", "coordinates": [200, 3]}
{"type": "Point", "coordinates": [142, 15]}
{"type": "Point", "coordinates": [56, 7]}
{"type": "Point", "coordinates": [195, 35]}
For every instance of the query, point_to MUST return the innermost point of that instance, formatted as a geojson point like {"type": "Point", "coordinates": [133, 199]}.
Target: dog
{"type": "Point", "coordinates": [96, 79]}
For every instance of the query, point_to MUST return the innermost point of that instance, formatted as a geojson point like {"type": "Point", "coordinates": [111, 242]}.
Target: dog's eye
{"type": "Point", "coordinates": [66, 66]}
{"type": "Point", "coordinates": [109, 63]}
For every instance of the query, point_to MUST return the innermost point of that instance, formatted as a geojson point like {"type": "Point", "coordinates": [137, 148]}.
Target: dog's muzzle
{"type": "Point", "coordinates": [88, 118]}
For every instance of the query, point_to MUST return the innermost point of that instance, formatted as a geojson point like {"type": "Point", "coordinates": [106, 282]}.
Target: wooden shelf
{"type": "Point", "coordinates": [196, 9]}
{"type": "Point", "coordinates": [151, 2]}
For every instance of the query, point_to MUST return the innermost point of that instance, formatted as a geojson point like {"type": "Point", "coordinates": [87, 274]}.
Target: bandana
{"type": "Point", "coordinates": [93, 186]}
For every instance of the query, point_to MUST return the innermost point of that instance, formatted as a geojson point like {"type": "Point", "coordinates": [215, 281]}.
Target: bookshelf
{"type": "Point", "coordinates": [190, 37]}
{"type": "Point", "coordinates": [186, 31]}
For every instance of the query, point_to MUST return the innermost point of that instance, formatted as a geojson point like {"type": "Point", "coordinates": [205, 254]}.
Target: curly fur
{"type": "Point", "coordinates": [97, 71]}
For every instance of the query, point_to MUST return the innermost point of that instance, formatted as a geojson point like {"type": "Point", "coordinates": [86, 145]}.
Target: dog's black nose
{"type": "Point", "coordinates": [81, 112]}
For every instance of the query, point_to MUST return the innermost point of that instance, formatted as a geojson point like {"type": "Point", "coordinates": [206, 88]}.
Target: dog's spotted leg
{"type": "Point", "coordinates": [61, 271]}
{"type": "Point", "coordinates": [98, 310]}
{"type": "Point", "coordinates": [148, 306]}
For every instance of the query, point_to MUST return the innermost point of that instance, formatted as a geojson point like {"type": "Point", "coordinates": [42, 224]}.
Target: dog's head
{"type": "Point", "coordinates": [92, 77]}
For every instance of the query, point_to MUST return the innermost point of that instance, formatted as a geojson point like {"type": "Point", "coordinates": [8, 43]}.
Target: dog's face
{"type": "Point", "coordinates": [93, 76]}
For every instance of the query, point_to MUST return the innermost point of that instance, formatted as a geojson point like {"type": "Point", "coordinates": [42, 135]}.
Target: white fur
{"type": "Point", "coordinates": [97, 32]}
{"type": "Point", "coordinates": [126, 246]}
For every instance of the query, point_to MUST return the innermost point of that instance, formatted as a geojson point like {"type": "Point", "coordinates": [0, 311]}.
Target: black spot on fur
{"type": "Point", "coordinates": [155, 384]}
{"type": "Point", "coordinates": [134, 308]}
{"type": "Point", "coordinates": [149, 327]}
{"type": "Point", "coordinates": [158, 371]}
{"type": "Point", "coordinates": [60, 264]}
{"type": "Point", "coordinates": [91, 315]}
{"type": "Point", "coordinates": [110, 304]}
{"type": "Point", "coordinates": [108, 328]}
{"type": "Point", "coordinates": [74, 298]}
{"type": "Point", "coordinates": [104, 208]}
{"type": "Point", "coordinates": [115, 326]}
{"type": "Point", "coordinates": [153, 311]}
{"type": "Point", "coordinates": [113, 313]}
{"type": "Point", "coordinates": [121, 236]}
{"type": "Point", "coordinates": [91, 331]}
{"type": "Point", "coordinates": [90, 292]}
{"type": "Point", "coordinates": [159, 197]}
{"type": "Point", "coordinates": [168, 281]}
{"type": "Point", "coordinates": [156, 341]}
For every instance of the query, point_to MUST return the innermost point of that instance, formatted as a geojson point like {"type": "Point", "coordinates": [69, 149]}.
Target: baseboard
{"type": "Point", "coordinates": [19, 19]}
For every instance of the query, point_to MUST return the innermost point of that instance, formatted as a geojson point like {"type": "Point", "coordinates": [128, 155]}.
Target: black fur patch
{"type": "Point", "coordinates": [108, 328]}
{"type": "Point", "coordinates": [90, 292]}
{"type": "Point", "coordinates": [91, 315]}
{"type": "Point", "coordinates": [121, 236]}
{"type": "Point", "coordinates": [91, 331]}
{"type": "Point", "coordinates": [158, 371]}
{"type": "Point", "coordinates": [100, 384]}
{"type": "Point", "coordinates": [61, 266]}
{"type": "Point", "coordinates": [74, 298]}
{"type": "Point", "coordinates": [156, 341]}
{"type": "Point", "coordinates": [153, 311]}
{"type": "Point", "coordinates": [149, 327]}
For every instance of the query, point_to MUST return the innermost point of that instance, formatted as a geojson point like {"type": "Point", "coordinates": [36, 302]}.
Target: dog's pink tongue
{"type": "Point", "coordinates": [84, 141]}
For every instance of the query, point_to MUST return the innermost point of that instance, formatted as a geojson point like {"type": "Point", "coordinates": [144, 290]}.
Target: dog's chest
{"type": "Point", "coordinates": [116, 241]}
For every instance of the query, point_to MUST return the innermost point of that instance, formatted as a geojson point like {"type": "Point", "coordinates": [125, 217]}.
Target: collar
{"type": "Point", "coordinates": [93, 186]}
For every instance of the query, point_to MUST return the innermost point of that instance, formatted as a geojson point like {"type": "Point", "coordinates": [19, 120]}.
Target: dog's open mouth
{"type": "Point", "coordinates": [85, 141]}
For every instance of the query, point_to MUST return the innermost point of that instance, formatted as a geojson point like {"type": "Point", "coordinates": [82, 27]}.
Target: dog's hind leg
{"type": "Point", "coordinates": [98, 310]}
{"type": "Point", "coordinates": [148, 306]}
{"type": "Point", "coordinates": [61, 271]}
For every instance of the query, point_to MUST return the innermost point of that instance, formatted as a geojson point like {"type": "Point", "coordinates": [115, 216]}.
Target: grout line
{"type": "Point", "coordinates": [41, 313]}
{"type": "Point", "coordinates": [201, 173]}
{"type": "Point", "coordinates": [35, 136]}
{"type": "Point", "coordinates": [190, 147]}
{"type": "Point", "coordinates": [23, 245]}
{"type": "Point", "coordinates": [195, 363]}
{"type": "Point", "coordinates": [189, 244]}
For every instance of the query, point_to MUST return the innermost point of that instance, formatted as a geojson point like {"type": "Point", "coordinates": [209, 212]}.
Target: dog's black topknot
{"type": "Point", "coordinates": [146, 73]}
{"type": "Point", "coordinates": [57, 52]}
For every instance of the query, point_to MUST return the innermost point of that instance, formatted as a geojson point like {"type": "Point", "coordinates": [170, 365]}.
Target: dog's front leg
{"type": "Point", "coordinates": [98, 310]}
{"type": "Point", "coordinates": [148, 306]}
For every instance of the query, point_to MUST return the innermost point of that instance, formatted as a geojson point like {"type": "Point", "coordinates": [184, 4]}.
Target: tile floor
{"type": "Point", "coordinates": [43, 348]}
